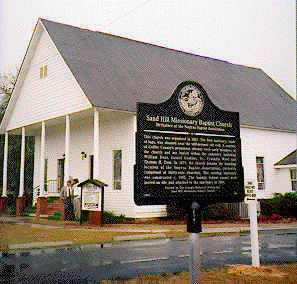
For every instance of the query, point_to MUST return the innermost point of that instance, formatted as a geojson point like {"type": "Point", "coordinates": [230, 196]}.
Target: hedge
{"type": "Point", "coordinates": [283, 205]}
{"type": "Point", "coordinates": [217, 211]}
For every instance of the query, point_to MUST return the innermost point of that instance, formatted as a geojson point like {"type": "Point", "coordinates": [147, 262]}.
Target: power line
{"type": "Point", "coordinates": [127, 14]}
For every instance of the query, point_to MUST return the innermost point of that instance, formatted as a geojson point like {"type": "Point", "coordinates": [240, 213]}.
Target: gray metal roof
{"type": "Point", "coordinates": [288, 160]}
{"type": "Point", "coordinates": [116, 73]}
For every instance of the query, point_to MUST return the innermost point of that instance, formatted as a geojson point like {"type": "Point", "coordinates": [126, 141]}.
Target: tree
{"type": "Point", "coordinates": [7, 83]}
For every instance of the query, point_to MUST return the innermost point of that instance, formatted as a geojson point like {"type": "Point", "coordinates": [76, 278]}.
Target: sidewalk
{"type": "Point", "coordinates": [219, 227]}
{"type": "Point", "coordinates": [126, 232]}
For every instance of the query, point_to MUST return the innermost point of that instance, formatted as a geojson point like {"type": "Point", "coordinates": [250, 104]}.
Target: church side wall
{"type": "Point", "coordinates": [283, 180]}
{"type": "Point", "coordinates": [117, 133]}
{"type": "Point", "coordinates": [272, 146]}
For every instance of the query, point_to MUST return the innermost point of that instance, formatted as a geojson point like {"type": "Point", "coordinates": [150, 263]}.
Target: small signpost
{"type": "Point", "coordinates": [250, 191]}
{"type": "Point", "coordinates": [251, 200]}
{"type": "Point", "coordinates": [188, 150]}
{"type": "Point", "coordinates": [92, 199]}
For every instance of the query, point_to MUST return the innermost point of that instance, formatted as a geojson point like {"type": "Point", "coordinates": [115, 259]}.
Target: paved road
{"type": "Point", "coordinates": [88, 264]}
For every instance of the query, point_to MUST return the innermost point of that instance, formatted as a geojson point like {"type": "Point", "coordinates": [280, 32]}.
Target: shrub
{"type": "Point", "coordinates": [216, 211]}
{"type": "Point", "coordinates": [84, 215]}
{"type": "Point", "coordinates": [11, 210]}
{"type": "Point", "coordinates": [261, 218]}
{"type": "Point", "coordinates": [30, 210]}
{"type": "Point", "coordinates": [238, 218]}
{"type": "Point", "coordinates": [177, 211]}
{"type": "Point", "coordinates": [283, 205]}
{"type": "Point", "coordinates": [111, 218]}
{"type": "Point", "coordinates": [52, 199]}
{"type": "Point", "coordinates": [276, 217]}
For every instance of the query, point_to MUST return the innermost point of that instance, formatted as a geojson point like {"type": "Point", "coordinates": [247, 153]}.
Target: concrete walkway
{"type": "Point", "coordinates": [155, 230]}
{"type": "Point", "coordinates": [142, 227]}
{"type": "Point", "coordinates": [39, 245]}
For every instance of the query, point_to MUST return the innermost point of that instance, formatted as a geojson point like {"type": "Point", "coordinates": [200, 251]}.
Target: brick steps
{"type": "Point", "coordinates": [55, 210]}
{"type": "Point", "coordinates": [56, 206]}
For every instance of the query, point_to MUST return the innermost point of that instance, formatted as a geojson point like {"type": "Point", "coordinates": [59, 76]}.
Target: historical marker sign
{"type": "Point", "coordinates": [91, 197]}
{"type": "Point", "coordinates": [187, 148]}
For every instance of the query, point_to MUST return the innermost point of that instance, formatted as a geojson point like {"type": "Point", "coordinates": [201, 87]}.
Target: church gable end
{"type": "Point", "coordinates": [49, 89]}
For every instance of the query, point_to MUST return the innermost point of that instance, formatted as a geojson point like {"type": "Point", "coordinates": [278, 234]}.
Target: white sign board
{"type": "Point", "coordinates": [91, 197]}
{"type": "Point", "coordinates": [250, 191]}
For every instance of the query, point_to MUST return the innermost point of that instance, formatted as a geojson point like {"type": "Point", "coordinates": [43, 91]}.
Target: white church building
{"type": "Point", "coordinates": [77, 93]}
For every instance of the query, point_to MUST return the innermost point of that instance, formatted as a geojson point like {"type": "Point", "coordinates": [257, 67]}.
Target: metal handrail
{"type": "Point", "coordinates": [51, 189]}
{"type": "Point", "coordinates": [36, 193]}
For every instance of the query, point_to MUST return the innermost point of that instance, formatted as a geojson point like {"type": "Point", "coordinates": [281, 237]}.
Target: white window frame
{"type": "Point", "coordinates": [261, 184]}
{"type": "Point", "coordinates": [43, 72]}
{"type": "Point", "coordinates": [293, 179]}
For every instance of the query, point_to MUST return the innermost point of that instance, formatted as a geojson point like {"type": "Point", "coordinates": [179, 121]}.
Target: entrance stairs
{"type": "Point", "coordinates": [54, 209]}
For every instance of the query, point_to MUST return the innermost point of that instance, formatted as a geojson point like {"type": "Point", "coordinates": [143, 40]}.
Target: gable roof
{"type": "Point", "coordinates": [288, 160]}
{"type": "Point", "coordinates": [93, 181]}
{"type": "Point", "coordinates": [116, 73]}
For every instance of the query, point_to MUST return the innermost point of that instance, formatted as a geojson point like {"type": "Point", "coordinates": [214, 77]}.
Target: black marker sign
{"type": "Point", "coordinates": [187, 148]}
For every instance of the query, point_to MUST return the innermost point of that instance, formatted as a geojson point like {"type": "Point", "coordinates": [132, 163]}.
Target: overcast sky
{"type": "Point", "coordinates": [257, 33]}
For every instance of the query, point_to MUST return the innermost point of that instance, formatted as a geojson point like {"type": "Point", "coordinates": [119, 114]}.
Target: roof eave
{"type": "Point", "coordinates": [269, 129]}
{"type": "Point", "coordinates": [285, 166]}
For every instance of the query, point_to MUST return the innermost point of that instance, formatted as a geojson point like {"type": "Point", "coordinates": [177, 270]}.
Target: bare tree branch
{"type": "Point", "coordinates": [7, 84]}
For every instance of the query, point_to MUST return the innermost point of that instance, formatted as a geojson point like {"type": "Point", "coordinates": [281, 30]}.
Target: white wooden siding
{"type": "Point", "coordinates": [273, 146]}
{"type": "Point", "coordinates": [53, 96]}
{"type": "Point", "coordinates": [114, 135]}
{"type": "Point", "coordinates": [117, 133]}
{"type": "Point", "coordinates": [283, 180]}
{"type": "Point", "coordinates": [81, 140]}
{"type": "Point", "coordinates": [150, 211]}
